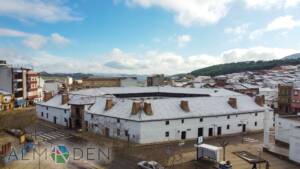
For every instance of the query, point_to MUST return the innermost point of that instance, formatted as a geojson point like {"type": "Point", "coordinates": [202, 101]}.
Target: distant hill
{"type": "Point", "coordinates": [61, 75]}
{"type": "Point", "coordinates": [228, 68]}
{"type": "Point", "coordinates": [293, 56]}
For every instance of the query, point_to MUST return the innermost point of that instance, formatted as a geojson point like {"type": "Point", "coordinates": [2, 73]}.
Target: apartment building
{"type": "Point", "coordinates": [156, 114]}
{"type": "Point", "coordinates": [20, 81]}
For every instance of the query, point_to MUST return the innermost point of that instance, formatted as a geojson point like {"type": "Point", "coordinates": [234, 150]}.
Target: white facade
{"type": "Point", "coordinates": [129, 82]}
{"type": "Point", "coordinates": [287, 130]}
{"type": "Point", "coordinates": [171, 130]}
{"type": "Point", "coordinates": [51, 113]}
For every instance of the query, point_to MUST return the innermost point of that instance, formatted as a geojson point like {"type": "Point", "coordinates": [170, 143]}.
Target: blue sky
{"type": "Point", "coordinates": [145, 36]}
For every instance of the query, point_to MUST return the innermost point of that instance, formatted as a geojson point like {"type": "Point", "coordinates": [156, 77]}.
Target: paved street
{"type": "Point", "coordinates": [179, 157]}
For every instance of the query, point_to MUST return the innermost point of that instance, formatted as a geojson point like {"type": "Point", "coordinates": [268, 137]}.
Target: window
{"type": "Point", "coordinates": [66, 120]}
{"type": "Point", "coordinates": [255, 114]}
{"type": "Point", "coordinates": [228, 117]}
{"type": "Point", "coordinates": [92, 116]}
{"type": "Point", "coordinates": [118, 120]}
{"type": "Point", "coordinates": [65, 111]}
{"type": "Point", "coordinates": [167, 134]}
{"type": "Point", "coordinates": [182, 121]}
{"type": "Point", "coordinates": [47, 108]}
{"type": "Point", "coordinates": [255, 123]}
{"type": "Point", "coordinates": [201, 119]}
{"type": "Point", "coordinates": [118, 132]}
{"type": "Point", "coordinates": [42, 114]}
{"type": "Point", "coordinates": [47, 115]}
{"type": "Point", "coordinates": [167, 122]}
{"type": "Point", "coordinates": [228, 127]}
{"type": "Point", "coordinates": [126, 133]}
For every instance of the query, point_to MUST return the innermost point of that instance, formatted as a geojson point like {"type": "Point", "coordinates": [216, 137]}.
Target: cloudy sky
{"type": "Point", "coordinates": [145, 36]}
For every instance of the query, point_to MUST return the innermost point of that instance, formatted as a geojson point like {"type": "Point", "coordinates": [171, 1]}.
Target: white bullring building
{"type": "Point", "coordinates": [156, 114]}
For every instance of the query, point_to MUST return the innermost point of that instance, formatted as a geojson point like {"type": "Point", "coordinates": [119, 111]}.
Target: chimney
{"type": "Point", "coordinates": [260, 100]}
{"type": "Point", "coordinates": [232, 102]}
{"type": "Point", "coordinates": [184, 105]}
{"type": "Point", "coordinates": [136, 107]}
{"type": "Point", "coordinates": [109, 104]}
{"type": "Point", "coordinates": [148, 109]}
{"type": "Point", "coordinates": [64, 98]}
{"type": "Point", "coordinates": [47, 96]}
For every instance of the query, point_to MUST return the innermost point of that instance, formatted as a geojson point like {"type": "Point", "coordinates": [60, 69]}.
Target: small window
{"type": "Point", "coordinates": [201, 119]}
{"type": "Point", "coordinates": [47, 115]}
{"type": "Point", "coordinates": [118, 120]}
{"type": "Point", "coordinates": [65, 111]}
{"type": "Point", "coordinates": [182, 121]}
{"type": "Point", "coordinates": [255, 123]}
{"type": "Point", "coordinates": [228, 127]}
{"type": "Point", "coordinates": [42, 114]}
{"type": "Point", "coordinates": [255, 114]}
{"type": "Point", "coordinates": [167, 122]}
{"type": "Point", "coordinates": [92, 116]}
{"type": "Point", "coordinates": [167, 134]}
{"type": "Point", "coordinates": [118, 132]}
{"type": "Point", "coordinates": [126, 133]}
{"type": "Point", "coordinates": [228, 117]}
{"type": "Point", "coordinates": [47, 108]}
{"type": "Point", "coordinates": [66, 120]}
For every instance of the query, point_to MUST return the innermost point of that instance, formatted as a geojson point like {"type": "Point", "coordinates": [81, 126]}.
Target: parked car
{"type": "Point", "coordinates": [149, 165]}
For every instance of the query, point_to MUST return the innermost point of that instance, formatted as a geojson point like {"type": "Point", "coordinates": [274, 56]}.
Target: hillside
{"type": "Point", "coordinates": [243, 66]}
{"type": "Point", "coordinates": [293, 56]}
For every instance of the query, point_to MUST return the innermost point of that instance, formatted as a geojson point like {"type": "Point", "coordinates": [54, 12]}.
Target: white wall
{"type": "Point", "coordinates": [129, 82]}
{"type": "Point", "coordinates": [283, 128]}
{"type": "Point", "coordinates": [295, 145]}
{"type": "Point", "coordinates": [102, 122]}
{"type": "Point", "coordinates": [155, 131]}
{"type": "Point", "coordinates": [60, 114]}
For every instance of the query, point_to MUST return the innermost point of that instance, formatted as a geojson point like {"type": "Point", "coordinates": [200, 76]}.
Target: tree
{"type": "Point", "coordinates": [224, 143]}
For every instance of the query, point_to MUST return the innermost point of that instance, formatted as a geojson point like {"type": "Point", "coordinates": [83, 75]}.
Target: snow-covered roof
{"type": "Point", "coordinates": [125, 90]}
{"type": "Point", "coordinates": [170, 108]}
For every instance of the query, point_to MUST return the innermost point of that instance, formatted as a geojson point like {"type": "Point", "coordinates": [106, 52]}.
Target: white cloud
{"type": "Point", "coordinates": [149, 62]}
{"type": "Point", "coordinates": [59, 39]}
{"type": "Point", "coordinates": [32, 40]}
{"type": "Point", "coordinates": [35, 41]}
{"type": "Point", "coordinates": [183, 39]}
{"type": "Point", "coordinates": [238, 32]}
{"type": "Point", "coordinates": [255, 53]}
{"type": "Point", "coordinates": [191, 11]}
{"type": "Point", "coordinates": [41, 10]}
{"type": "Point", "coordinates": [281, 23]}
{"type": "Point", "coordinates": [271, 4]}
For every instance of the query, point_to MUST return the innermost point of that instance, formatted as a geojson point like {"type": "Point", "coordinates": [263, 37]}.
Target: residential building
{"type": "Point", "coordinates": [32, 87]}
{"type": "Point", "coordinates": [284, 98]}
{"type": "Point", "coordinates": [155, 80]}
{"type": "Point", "coordinates": [20, 81]}
{"type": "Point", "coordinates": [295, 105]}
{"type": "Point", "coordinates": [6, 101]}
{"type": "Point", "coordinates": [156, 114]}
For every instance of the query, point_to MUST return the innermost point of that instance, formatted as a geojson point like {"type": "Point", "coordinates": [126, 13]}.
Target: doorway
{"type": "Point", "coordinates": [200, 132]}
{"type": "Point", "coordinates": [219, 131]}
{"type": "Point", "coordinates": [210, 131]}
{"type": "Point", "coordinates": [244, 127]}
{"type": "Point", "coordinates": [183, 135]}
{"type": "Point", "coordinates": [54, 119]}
